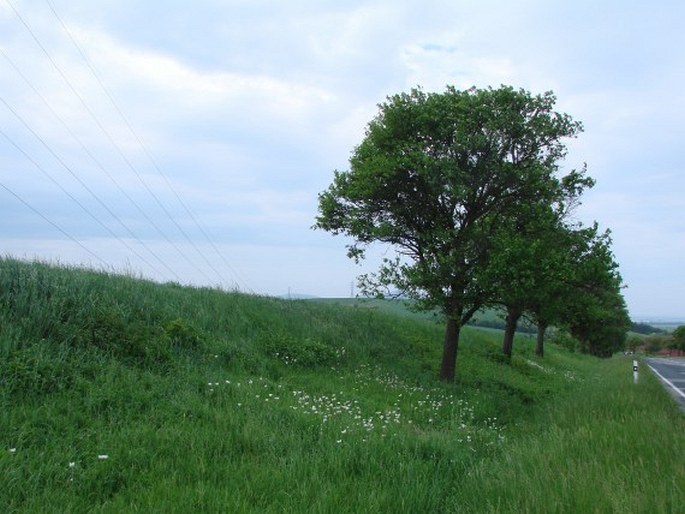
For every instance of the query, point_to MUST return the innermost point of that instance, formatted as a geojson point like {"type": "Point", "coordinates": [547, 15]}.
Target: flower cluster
{"type": "Point", "coordinates": [285, 358]}
{"type": "Point", "coordinates": [369, 410]}
{"type": "Point", "coordinates": [570, 376]}
{"type": "Point", "coordinates": [333, 411]}
{"type": "Point", "coordinates": [538, 366]}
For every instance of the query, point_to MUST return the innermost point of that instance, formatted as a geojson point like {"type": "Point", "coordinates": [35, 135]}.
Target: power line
{"type": "Point", "coordinates": [118, 149]}
{"type": "Point", "coordinates": [94, 159]}
{"type": "Point", "coordinates": [95, 74]}
{"type": "Point", "coordinates": [72, 197]}
{"type": "Point", "coordinates": [36, 211]}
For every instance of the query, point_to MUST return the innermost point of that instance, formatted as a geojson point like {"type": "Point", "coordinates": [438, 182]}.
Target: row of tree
{"type": "Point", "coordinates": [465, 186]}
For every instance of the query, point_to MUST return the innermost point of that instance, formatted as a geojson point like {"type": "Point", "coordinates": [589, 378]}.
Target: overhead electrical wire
{"type": "Point", "coordinates": [64, 190]}
{"type": "Point", "coordinates": [153, 161]}
{"type": "Point", "coordinates": [97, 163]}
{"type": "Point", "coordinates": [106, 133]}
{"type": "Point", "coordinates": [64, 232]}
{"type": "Point", "coordinates": [123, 156]}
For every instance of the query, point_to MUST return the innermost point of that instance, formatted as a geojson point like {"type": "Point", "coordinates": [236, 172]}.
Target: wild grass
{"type": "Point", "coordinates": [608, 446]}
{"type": "Point", "coordinates": [120, 395]}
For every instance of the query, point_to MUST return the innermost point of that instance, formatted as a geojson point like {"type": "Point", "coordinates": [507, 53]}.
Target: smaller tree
{"type": "Point", "coordinates": [633, 343]}
{"type": "Point", "coordinates": [520, 266]}
{"type": "Point", "coordinates": [596, 313]}
{"type": "Point", "coordinates": [679, 337]}
{"type": "Point", "coordinates": [531, 268]}
{"type": "Point", "coordinates": [655, 343]}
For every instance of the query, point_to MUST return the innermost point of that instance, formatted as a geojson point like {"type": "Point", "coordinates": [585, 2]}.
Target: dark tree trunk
{"type": "Point", "coordinates": [513, 315]}
{"type": "Point", "coordinates": [449, 352]}
{"type": "Point", "coordinates": [540, 344]}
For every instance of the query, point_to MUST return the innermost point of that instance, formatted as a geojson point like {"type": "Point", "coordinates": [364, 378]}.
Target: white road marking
{"type": "Point", "coordinates": [667, 381]}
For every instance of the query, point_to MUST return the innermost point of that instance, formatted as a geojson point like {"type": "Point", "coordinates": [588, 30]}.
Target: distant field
{"type": "Point", "coordinates": [487, 318]}
{"type": "Point", "coordinates": [668, 326]}
{"type": "Point", "coordinates": [395, 307]}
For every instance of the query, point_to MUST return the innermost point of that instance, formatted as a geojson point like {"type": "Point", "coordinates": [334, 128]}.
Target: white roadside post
{"type": "Point", "coordinates": [635, 371]}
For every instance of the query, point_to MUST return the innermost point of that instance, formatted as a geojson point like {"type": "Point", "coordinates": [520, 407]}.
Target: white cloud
{"type": "Point", "coordinates": [248, 108]}
{"type": "Point", "coordinates": [166, 85]}
{"type": "Point", "coordinates": [441, 60]}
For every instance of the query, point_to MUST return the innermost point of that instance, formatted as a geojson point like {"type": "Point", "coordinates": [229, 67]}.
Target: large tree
{"type": "Point", "coordinates": [434, 177]}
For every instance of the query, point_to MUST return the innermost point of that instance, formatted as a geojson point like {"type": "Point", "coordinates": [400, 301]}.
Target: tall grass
{"type": "Point", "coordinates": [120, 395]}
{"type": "Point", "coordinates": [608, 446]}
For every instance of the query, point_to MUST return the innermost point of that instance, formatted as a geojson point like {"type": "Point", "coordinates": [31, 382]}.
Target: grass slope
{"type": "Point", "coordinates": [485, 318]}
{"type": "Point", "coordinates": [120, 395]}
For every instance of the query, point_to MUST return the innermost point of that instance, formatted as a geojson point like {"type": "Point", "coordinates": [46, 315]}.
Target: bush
{"type": "Point", "coordinates": [134, 342]}
{"type": "Point", "coordinates": [565, 340]}
{"type": "Point", "coordinates": [633, 343]}
{"type": "Point", "coordinates": [305, 353]}
{"type": "Point", "coordinates": [655, 343]}
{"type": "Point", "coordinates": [182, 336]}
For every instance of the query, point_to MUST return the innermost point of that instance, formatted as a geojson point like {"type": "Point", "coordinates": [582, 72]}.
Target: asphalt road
{"type": "Point", "coordinates": [671, 372]}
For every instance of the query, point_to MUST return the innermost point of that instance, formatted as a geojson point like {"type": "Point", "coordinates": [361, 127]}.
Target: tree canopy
{"type": "Point", "coordinates": [593, 308]}
{"type": "Point", "coordinates": [679, 338]}
{"type": "Point", "coordinates": [436, 176]}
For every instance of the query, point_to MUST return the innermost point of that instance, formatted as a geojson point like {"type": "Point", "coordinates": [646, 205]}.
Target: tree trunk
{"type": "Point", "coordinates": [513, 315]}
{"type": "Point", "coordinates": [540, 344]}
{"type": "Point", "coordinates": [449, 352]}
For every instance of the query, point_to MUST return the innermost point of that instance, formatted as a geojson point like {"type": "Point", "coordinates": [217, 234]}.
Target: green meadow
{"type": "Point", "coordinates": [123, 395]}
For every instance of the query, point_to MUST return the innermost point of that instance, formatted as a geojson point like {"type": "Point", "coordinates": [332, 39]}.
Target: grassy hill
{"type": "Point", "coordinates": [485, 318]}
{"type": "Point", "coordinates": [121, 395]}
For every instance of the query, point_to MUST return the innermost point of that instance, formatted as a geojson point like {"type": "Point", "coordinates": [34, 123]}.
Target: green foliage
{"type": "Point", "coordinates": [90, 425]}
{"type": "Point", "coordinates": [565, 340]}
{"type": "Point", "coordinates": [633, 342]}
{"type": "Point", "coordinates": [36, 370]}
{"type": "Point", "coordinates": [132, 341]}
{"type": "Point", "coordinates": [595, 312]}
{"type": "Point", "coordinates": [300, 352]}
{"type": "Point", "coordinates": [435, 177]}
{"type": "Point", "coordinates": [644, 328]}
{"type": "Point", "coordinates": [679, 337]}
{"type": "Point", "coordinates": [77, 309]}
{"type": "Point", "coordinates": [182, 336]}
{"type": "Point", "coordinates": [587, 452]}
{"type": "Point", "coordinates": [655, 343]}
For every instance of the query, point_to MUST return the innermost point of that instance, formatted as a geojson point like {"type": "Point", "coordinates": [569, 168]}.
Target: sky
{"type": "Point", "coordinates": [188, 141]}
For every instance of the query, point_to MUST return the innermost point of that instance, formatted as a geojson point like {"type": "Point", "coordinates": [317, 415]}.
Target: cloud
{"type": "Point", "coordinates": [248, 107]}
{"type": "Point", "coordinates": [442, 61]}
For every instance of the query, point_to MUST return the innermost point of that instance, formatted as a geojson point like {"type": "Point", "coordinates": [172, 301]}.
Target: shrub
{"type": "Point", "coordinates": [655, 343]}
{"type": "Point", "coordinates": [181, 335]}
{"type": "Point", "coordinates": [300, 352]}
{"type": "Point", "coordinates": [565, 340]}
{"type": "Point", "coordinates": [134, 342]}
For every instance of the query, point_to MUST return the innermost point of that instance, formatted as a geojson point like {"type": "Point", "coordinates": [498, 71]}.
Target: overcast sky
{"type": "Point", "coordinates": [188, 141]}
